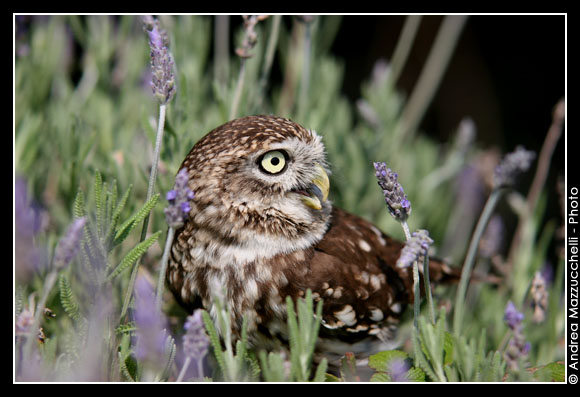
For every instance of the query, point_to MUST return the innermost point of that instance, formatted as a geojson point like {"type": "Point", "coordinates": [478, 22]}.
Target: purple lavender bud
{"type": "Point", "coordinates": [414, 248]}
{"type": "Point", "coordinates": [398, 369]}
{"type": "Point", "coordinates": [70, 244]}
{"type": "Point", "coordinates": [163, 79]}
{"type": "Point", "coordinates": [526, 349]}
{"type": "Point", "coordinates": [512, 165]}
{"type": "Point", "coordinates": [179, 199]}
{"type": "Point", "coordinates": [185, 208]}
{"type": "Point", "coordinates": [171, 195]}
{"type": "Point", "coordinates": [195, 340]}
{"type": "Point", "coordinates": [512, 317]}
{"type": "Point", "coordinates": [397, 202]}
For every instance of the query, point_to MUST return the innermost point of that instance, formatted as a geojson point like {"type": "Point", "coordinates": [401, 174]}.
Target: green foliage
{"type": "Point", "coordinates": [67, 298]}
{"type": "Point", "coordinates": [234, 366]}
{"type": "Point", "coordinates": [430, 347]}
{"type": "Point", "coordinates": [303, 331]}
{"type": "Point", "coordinates": [133, 255]}
{"type": "Point", "coordinates": [127, 226]}
{"type": "Point", "coordinates": [302, 325]}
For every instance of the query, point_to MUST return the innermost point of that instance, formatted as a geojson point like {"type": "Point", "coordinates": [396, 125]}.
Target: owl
{"type": "Point", "coordinates": [262, 228]}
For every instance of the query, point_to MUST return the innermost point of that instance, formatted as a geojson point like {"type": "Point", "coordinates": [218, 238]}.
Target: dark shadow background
{"type": "Point", "coordinates": [507, 73]}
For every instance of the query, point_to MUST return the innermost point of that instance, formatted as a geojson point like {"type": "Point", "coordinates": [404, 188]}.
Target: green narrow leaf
{"type": "Point", "coordinates": [215, 340]}
{"type": "Point", "coordinates": [110, 198]}
{"type": "Point", "coordinates": [124, 368]}
{"type": "Point", "coordinates": [134, 255]}
{"type": "Point", "coordinates": [67, 298]}
{"type": "Point", "coordinates": [79, 204]}
{"type": "Point", "coordinates": [272, 366]}
{"type": "Point", "coordinates": [320, 373]}
{"type": "Point", "coordinates": [448, 348]}
{"type": "Point", "coordinates": [127, 370]}
{"type": "Point", "coordinates": [242, 343]}
{"type": "Point", "coordinates": [497, 370]}
{"type": "Point", "coordinates": [99, 199]}
{"type": "Point", "coordinates": [137, 218]}
{"type": "Point", "coordinates": [170, 351]}
{"type": "Point", "coordinates": [292, 327]}
{"type": "Point", "coordinates": [117, 213]}
{"type": "Point", "coordinates": [420, 359]}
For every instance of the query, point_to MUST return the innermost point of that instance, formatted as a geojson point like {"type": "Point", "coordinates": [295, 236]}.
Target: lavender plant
{"type": "Point", "coordinates": [417, 244]}
{"type": "Point", "coordinates": [505, 175]}
{"type": "Point", "coordinates": [195, 344]}
{"type": "Point", "coordinates": [163, 86]}
{"type": "Point", "coordinates": [397, 203]}
{"type": "Point", "coordinates": [517, 349]}
{"type": "Point", "coordinates": [155, 349]}
{"type": "Point", "coordinates": [175, 214]}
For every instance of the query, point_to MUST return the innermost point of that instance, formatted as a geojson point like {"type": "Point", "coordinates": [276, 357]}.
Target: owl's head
{"type": "Point", "coordinates": [260, 180]}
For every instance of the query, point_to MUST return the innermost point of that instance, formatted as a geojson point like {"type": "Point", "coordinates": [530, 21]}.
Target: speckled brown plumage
{"type": "Point", "coordinates": [256, 237]}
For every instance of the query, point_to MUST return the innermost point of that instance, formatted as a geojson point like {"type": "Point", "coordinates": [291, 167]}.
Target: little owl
{"type": "Point", "coordinates": [261, 228]}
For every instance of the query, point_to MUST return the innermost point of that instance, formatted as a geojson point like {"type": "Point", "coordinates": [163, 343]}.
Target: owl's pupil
{"type": "Point", "coordinates": [275, 161]}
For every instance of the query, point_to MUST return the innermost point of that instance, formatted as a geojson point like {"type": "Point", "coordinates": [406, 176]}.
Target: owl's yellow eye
{"type": "Point", "coordinates": [273, 162]}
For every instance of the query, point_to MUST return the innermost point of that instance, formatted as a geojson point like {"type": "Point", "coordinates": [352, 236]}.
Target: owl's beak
{"type": "Point", "coordinates": [318, 189]}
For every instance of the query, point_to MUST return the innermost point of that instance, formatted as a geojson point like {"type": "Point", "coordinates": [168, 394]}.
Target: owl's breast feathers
{"type": "Point", "coordinates": [352, 269]}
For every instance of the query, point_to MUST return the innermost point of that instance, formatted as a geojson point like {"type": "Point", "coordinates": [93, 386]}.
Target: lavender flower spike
{"type": "Point", "coordinates": [414, 248]}
{"type": "Point", "coordinates": [511, 166]}
{"type": "Point", "coordinates": [517, 348]}
{"type": "Point", "coordinates": [179, 199]}
{"type": "Point", "coordinates": [69, 245]}
{"type": "Point", "coordinates": [163, 79]}
{"type": "Point", "coordinates": [512, 317]}
{"type": "Point", "coordinates": [396, 199]}
{"type": "Point", "coordinates": [150, 324]}
{"type": "Point", "coordinates": [195, 340]}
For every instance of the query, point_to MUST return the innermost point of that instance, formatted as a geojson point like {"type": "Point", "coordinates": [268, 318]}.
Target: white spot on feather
{"type": "Point", "coordinates": [364, 245]}
{"type": "Point", "coordinates": [375, 282]}
{"type": "Point", "coordinates": [347, 315]}
{"type": "Point", "coordinates": [376, 314]}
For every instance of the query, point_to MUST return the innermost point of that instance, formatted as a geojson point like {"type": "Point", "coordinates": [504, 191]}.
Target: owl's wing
{"type": "Point", "coordinates": [353, 269]}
